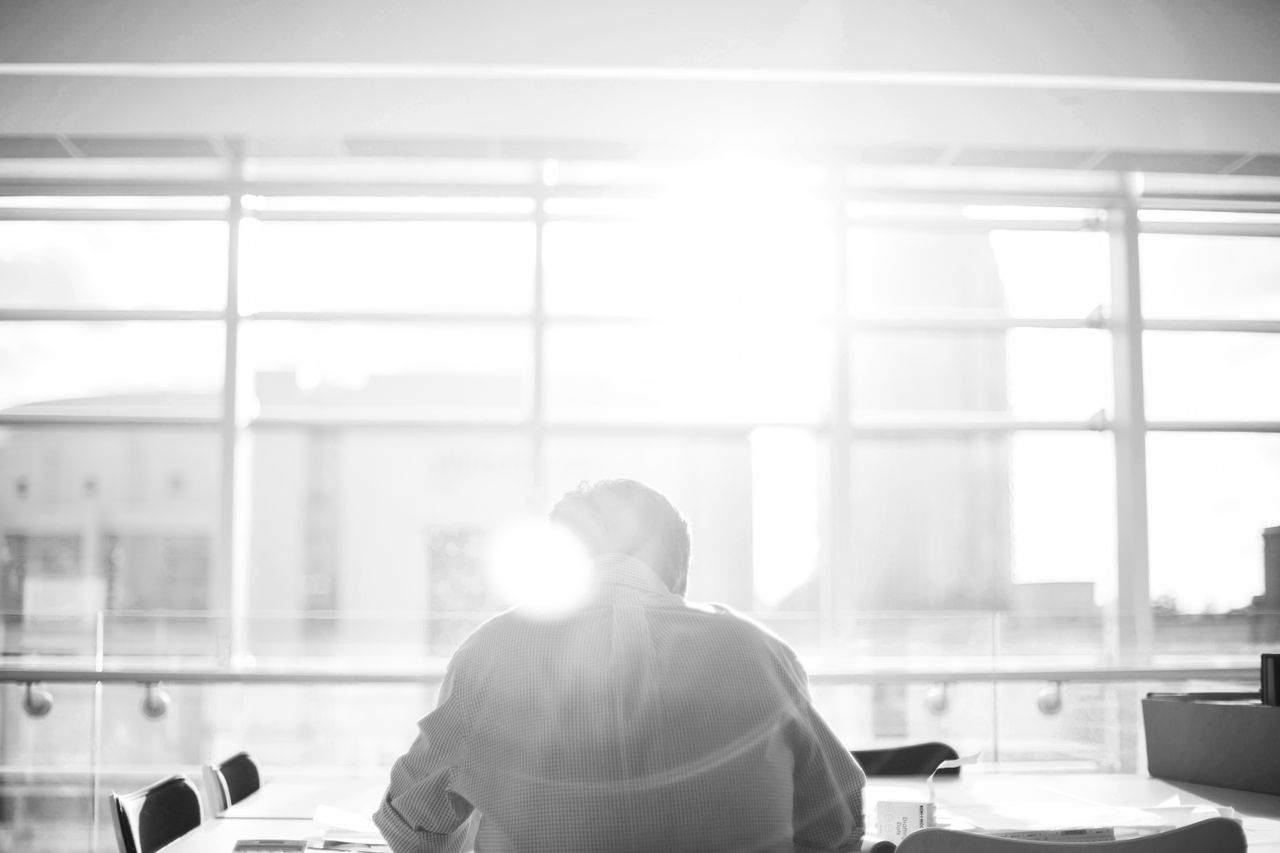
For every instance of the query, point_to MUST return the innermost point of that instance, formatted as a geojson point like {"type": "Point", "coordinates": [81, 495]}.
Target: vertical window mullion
{"type": "Point", "coordinates": [232, 571]}
{"type": "Point", "coordinates": [1133, 627]}
{"type": "Point", "coordinates": [537, 408]}
{"type": "Point", "coordinates": [835, 586]}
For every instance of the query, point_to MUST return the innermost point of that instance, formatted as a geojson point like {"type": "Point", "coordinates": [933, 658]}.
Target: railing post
{"type": "Point", "coordinates": [95, 746]}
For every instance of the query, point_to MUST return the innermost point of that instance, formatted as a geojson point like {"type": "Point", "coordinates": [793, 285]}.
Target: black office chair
{"type": "Point", "coordinates": [231, 781]}
{"type": "Point", "coordinates": [1215, 835]}
{"type": "Point", "coordinates": [152, 817]}
{"type": "Point", "coordinates": [914, 759]}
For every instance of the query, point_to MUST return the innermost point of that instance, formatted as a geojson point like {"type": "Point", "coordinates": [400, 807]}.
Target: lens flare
{"type": "Point", "coordinates": [539, 567]}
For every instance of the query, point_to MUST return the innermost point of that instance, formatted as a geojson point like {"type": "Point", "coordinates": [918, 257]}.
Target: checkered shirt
{"type": "Point", "coordinates": [639, 723]}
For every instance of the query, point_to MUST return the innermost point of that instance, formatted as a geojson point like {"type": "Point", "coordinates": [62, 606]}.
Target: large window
{"type": "Point", "coordinates": [320, 397]}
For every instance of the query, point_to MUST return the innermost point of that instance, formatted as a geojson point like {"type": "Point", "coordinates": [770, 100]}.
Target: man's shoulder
{"type": "Point", "coordinates": [722, 618]}
{"type": "Point", "coordinates": [500, 629]}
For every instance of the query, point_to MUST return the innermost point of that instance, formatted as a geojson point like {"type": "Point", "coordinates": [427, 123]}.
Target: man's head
{"type": "Point", "coordinates": [626, 517]}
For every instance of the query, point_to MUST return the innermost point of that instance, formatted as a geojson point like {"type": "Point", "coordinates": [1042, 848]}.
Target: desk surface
{"type": "Point", "coordinates": [298, 798]}
{"type": "Point", "coordinates": [282, 809]}
{"type": "Point", "coordinates": [1072, 798]}
{"type": "Point", "coordinates": [220, 836]}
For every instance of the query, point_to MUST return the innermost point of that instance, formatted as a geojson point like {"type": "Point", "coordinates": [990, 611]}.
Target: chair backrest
{"type": "Point", "coordinates": [915, 759]}
{"type": "Point", "coordinates": [1215, 835]}
{"type": "Point", "coordinates": [148, 819]}
{"type": "Point", "coordinates": [231, 781]}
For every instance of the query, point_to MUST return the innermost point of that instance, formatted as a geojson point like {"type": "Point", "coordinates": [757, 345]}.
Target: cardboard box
{"type": "Point", "coordinates": [1222, 739]}
{"type": "Point", "coordinates": [896, 819]}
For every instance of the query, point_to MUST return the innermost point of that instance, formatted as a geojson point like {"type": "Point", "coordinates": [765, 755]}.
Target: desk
{"type": "Point", "coordinates": [975, 787]}
{"type": "Point", "coordinates": [1082, 793]}
{"type": "Point", "coordinates": [297, 798]}
{"type": "Point", "coordinates": [220, 836]}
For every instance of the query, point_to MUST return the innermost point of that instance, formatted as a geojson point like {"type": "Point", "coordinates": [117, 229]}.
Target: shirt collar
{"type": "Point", "coordinates": [625, 570]}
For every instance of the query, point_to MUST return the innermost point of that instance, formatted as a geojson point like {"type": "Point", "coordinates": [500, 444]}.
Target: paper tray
{"type": "Point", "coordinates": [1223, 739]}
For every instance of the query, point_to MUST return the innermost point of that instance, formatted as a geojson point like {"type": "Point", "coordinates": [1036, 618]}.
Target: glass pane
{"type": "Point", "coordinates": [1053, 622]}
{"type": "Point", "coordinates": [695, 373]}
{"type": "Point", "coordinates": [982, 522]}
{"type": "Point", "coordinates": [139, 368]}
{"type": "Point", "coordinates": [1093, 728]}
{"type": "Point", "coordinates": [471, 267]}
{"type": "Point", "coordinates": [113, 264]}
{"type": "Point", "coordinates": [1211, 375]}
{"type": "Point", "coordinates": [1023, 373]}
{"type": "Point", "coordinates": [693, 262]}
{"type": "Point", "coordinates": [1191, 276]}
{"type": "Point", "coordinates": [869, 716]}
{"type": "Point", "coordinates": [46, 787]}
{"type": "Point", "coordinates": [107, 519]}
{"type": "Point", "coordinates": [1210, 496]}
{"type": "Point", "coordinates": [708, 480]}
{"type": "Point", "coordinates": [1002, 273]}
{"type": "Point", "coordinates": [1062, 515]}
{"type": "Point", "coordinates": [383, 527]}
{"type": "Point", "coordinates": [353, 369]}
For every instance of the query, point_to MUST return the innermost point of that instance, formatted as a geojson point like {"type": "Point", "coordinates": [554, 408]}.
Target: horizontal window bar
{"type": "Point", "coordinates": [1181, 325]}
{"type": "Point", "coordinates": [950, 424]}
{"type": "Point", "coordinates": [941, 323]}
{"type": "Point", "coordinates": [435, 670]}
{"type": "Point", "coordinates": [340, 419]}
{"type": "Point", "coordinates": [381, 216]}
{"type": "Point", "coordinates": [385, 317]}
{"type": "Point", "coordinates": [114, 315]}
{"type": "Point", "coordinates": [1030, 197]}
{"type": "Point", "coordinates": [960, 323]}
{"type": "Point", "coordinates": [859, 427]}
{"type": "Point", "coordinates": [1262, 202]}
{"type": "Point", "coordinates": [1213, 426]}
{"type": "Point", "coordinates": [1214, 229]}
{"type": "Point", "coordinates": [389, 189]}
{"type": "Point", "coordinates": [931, 223]}
{"type": "Point", "coordinates": [1236, 203]}
{"type": "Point", "coordinates": [83, 418]}
{"type": "Point", "coordinates": [50, 214]}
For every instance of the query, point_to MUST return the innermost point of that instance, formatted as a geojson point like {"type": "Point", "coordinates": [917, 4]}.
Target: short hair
{"type": "Point", "coordinates": [623, 516]}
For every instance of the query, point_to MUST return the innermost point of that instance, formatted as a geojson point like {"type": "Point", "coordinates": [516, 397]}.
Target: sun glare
{"type": "Point", "coordinates": [739, 239]}
{"type": "Point", "coordinates": [784, 512]}
{"type": "Point", "coordinates": [539, 567]}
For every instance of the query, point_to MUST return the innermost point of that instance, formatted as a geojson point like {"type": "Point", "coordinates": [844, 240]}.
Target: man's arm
{"type": "Point", "coordinates": [419, 813]}
{"type": "Point", "coordinates": [827, 781]}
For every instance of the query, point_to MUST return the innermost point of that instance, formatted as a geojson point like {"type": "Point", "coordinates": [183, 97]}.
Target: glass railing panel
{"type": "Point", "coordinates": [357, 729]}
{"type": "Point", "coordinates": [46, 769]}
{"type": "Point", "coordinates": [867, 716]}
{"type": "Point", "coordinates": [1081, 725]}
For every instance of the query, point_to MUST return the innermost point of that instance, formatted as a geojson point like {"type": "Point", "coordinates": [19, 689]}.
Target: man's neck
{"type": "Point", "coordinates": [626, 570]}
